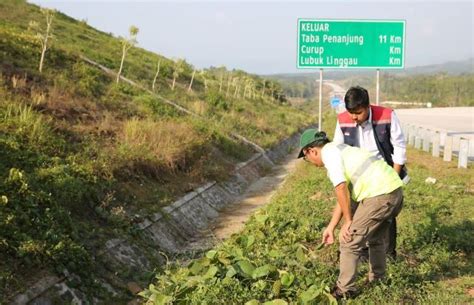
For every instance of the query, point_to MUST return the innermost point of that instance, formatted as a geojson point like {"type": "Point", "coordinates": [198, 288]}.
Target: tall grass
{"type": "Point", "coordinates": [164, 143]}
{"type": "Point", "coordinates": [26, 122]}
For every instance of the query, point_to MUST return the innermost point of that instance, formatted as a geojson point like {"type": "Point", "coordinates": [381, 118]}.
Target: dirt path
{"type": "Point", "coordinates": [232, 219]}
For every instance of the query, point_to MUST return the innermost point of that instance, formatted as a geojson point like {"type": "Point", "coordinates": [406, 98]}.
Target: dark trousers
{"type": "Point", "coordinates": [391, 240]}
{"type": "Point", "coordinates": [391, 246]}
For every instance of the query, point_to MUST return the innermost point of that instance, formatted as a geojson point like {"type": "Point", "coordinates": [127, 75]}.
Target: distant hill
{"type": "Point", "coordinates": [451, 68]}
{"type": "Point", "coordinates": [447, 84]}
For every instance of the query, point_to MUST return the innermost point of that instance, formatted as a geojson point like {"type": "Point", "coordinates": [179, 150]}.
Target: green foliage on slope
{"type": "Point", "coordinates": [82, 157]}
{"type": "Point", "coordinates": [277, 258]}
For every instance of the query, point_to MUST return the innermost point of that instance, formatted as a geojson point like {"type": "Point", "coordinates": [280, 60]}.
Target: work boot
{"type": "Point", "coordinates": [337, 293]}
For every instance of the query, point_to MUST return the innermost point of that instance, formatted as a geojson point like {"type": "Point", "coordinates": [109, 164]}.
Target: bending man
{"type": "Point", "coordinates": [356, 174]}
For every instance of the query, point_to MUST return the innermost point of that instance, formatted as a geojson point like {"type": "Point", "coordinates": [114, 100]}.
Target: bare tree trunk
{"type": "Point", "coordinates": [192, 79]}
{"type": "Point", "coordinates": [263, 89]}
{"type": "Point", "coordinates": [49, 20]}
{"type": "Point", "coordinates": [156, 75]}
{"type": "Point", "coordinates": [236, 89]}
{"type": "Point", "coordinates": [42, 55]}
{"type": "Point", "coordinates": [174, 81]}
{"type": "Point", "coordinates": [126, 45]}
{"type": "Point", "coordinates": [124, 51]}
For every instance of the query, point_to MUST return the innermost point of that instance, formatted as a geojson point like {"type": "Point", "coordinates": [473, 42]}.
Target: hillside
{"type": "Point", "coordinates": [84, 158]}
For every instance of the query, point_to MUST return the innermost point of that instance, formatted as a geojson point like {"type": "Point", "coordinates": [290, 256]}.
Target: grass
{"type": "Point", "coordinates": [74, 38]}
{"type": "Point", "coordinates": [82, 156]}
{"type": "Point", "coordinates": [435, 245]}
{"type": "Point", "coordinates": [166, 142]}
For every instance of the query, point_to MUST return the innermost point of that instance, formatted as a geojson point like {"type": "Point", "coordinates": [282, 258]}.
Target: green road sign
{"type": "Point", "coordinates": [343, 44]}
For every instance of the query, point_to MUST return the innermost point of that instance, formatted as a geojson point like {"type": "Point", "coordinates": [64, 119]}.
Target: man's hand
{"type": "Point", "coordinates": [345, 233]}
{"type": "Point", "coordinates": [328, 236]}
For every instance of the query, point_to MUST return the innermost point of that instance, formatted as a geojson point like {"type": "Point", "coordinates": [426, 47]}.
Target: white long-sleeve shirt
{"type": "Point", "coordinates": [366, 138]}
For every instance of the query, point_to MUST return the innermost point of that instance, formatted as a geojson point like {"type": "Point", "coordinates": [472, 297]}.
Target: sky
{"type": "Point", "coordinates": [261, 36]}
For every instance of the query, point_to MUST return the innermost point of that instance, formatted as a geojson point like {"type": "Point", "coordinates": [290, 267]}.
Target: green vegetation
{"type": "Point", "coordinates": [441, 89]}
{"type": "Point", "coordinates": [277, 259]}
{"type": "Point", "coordinates": [82, 156]}
{"type": "Point", "coordinates": [303, 86]}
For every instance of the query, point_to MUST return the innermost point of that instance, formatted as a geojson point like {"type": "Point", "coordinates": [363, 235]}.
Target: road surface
{"type": "Point", "coordinates": [459, 120]}
{"type": "Point", "coordinates": [455, 121]}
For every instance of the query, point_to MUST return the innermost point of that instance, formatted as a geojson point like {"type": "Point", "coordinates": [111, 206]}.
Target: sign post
{"type": "Point", "coordinates": [320, 127]}
{"type": "Point", "coordinates": [350, 44]}
{"type": "Point", "coordinates": [377, 89]}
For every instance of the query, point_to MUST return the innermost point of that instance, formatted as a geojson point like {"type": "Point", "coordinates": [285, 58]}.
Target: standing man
{"type": "Point", "coordinates": [378, 130]}
{"type": "Point", "coordinates": [356, 174]}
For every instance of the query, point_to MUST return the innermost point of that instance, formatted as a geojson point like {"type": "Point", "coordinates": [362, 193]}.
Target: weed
{"type": "Point", "coordinates": [284, 236]}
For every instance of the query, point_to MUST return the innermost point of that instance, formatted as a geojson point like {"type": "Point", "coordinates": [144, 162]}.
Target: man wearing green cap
{"type": "Point", "coordinates": [356, 174]}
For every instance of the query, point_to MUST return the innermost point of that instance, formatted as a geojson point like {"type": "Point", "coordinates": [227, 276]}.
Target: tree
{"type": "Point", "coordinates": [237, 86]}
{"type": "Point", "coordinates": [204, 76]}
{"type": "Point", "coordinates": [222, 70]}
{"type": "Point", "coordinates": [126, 45]}
{"type": "Point", "coordinates": [43, 36]}
{"type": "Point", "coordinates": [246, 85]}
{"type": "Point", "coordinates": [272, 89]}
{"type": "Point", "coordinates": [156, 75]}
{"type": "Point", "coordinates": [229, 80]}
{"type": "Point", "coordinates": [248, 89]}
{"type": "Point", "coordinates": [178, 69]}
{"type": "Point", "coordinates": [192, 79]}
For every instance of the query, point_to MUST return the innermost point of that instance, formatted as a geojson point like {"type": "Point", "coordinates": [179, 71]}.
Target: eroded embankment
{"type": "Point", "coordinates": [233, 217]}
{"type": "Point", "coordinates": [195, 221]}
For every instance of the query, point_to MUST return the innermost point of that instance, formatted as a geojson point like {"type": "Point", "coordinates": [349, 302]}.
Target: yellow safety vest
{"type": "Point", "coordinates": [366, 175]}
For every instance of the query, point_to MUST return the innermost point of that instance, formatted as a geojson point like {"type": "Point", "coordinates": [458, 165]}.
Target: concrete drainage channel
{"type": "Point", "coordinates": [178, 228]}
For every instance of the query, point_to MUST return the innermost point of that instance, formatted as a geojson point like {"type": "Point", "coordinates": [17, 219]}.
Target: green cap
{"type": "Point", "coordinates": [310, 136]}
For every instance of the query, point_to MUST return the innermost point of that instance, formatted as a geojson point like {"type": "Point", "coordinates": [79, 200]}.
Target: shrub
{"type": "Point", "coordinates": [89, 80]}
{"type": "Point", "coordinates": [34, 227]}
{"type": "Point", "coordinates": [159, 108]}
{"type": "Point", "coordinates": [217, 100]}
